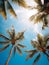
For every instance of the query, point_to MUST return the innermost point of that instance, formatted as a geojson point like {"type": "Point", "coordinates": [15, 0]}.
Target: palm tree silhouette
{"type": "Point", "coordinates": [14, 40]}
{"type": "Point", "coordinates": [43, 12]}
{"type": "Point", "coordinates": [40, 47]}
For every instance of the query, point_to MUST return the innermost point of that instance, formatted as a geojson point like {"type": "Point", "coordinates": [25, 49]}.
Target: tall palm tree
{"type": "Point", "coordinates": [40, 47]}
{"type": "Point", "coordinates": [14, 40]}
{"type": "Point", "coordinates": [43, 12]}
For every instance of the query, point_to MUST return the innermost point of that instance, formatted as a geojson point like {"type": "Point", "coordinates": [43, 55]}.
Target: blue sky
{"type": "Point", "coordinates": [22, 23]}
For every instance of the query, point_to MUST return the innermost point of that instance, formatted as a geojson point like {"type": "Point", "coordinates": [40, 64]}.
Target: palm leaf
{"type": "Point", "coordinates": [4, 42]}
{"type": "Point", "coordinates": [46, 38]}
{"type": "Point", "coordinates": [3, 5]}
{"type": "Point", "coordinates": [19, 51]}
{"type": "Point", "coordinates": [20, 36]}
{"type": "Point", "coordinates": [47, 47]}
{"type": "Point", "coordinates": [9, 57]}
{"type": "Point", "coordinates": [37, 58]}
{"type": "Point", "coordinates": [31, 55]}
{"type": "Point", "coordinates": [29, 51]}
{"type": "Point", "coordinates": [21, 3]}
{"type": "Point", "coordinates": [22, 46]}
{"type": "Point", "coordinates": [38, 18]}
{"type": "Point", "coordinates": [4, 37]}
{"type": "Point", "coordinates": [34, 43]}
{"type": "Point", "coordinates": [14, 50]}
{"type": "Point", "coordinates": [1, 49]}
{"type": "Point", "coordinates": [38, 2]}
{"type": "Point", "coordinates": [11, 9]}
{"type": "Point", "coordinates": [32, 17]}
{"type": "Point", "coordinates": [9, 33]}
{"type": "Point", "coordinates": [40, 38]}
{"type": "Point", "coordinates": [3, 9]}
{"type": "Point", "coordinates": [45, 23]}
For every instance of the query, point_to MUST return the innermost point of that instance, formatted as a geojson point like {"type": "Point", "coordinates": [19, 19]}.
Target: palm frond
{"type": "Point", "coordinates": [2, 49]}
{"type": "Point", "coordinates": [22, 46]}
{"type": "Point", "coordinates": [9, 57]}
{"type": "Point", "coordinates": [46, 38]}
{"type": "Point", "coordinates": [14, 50]}
{"type": "Point", "coordinates": [47, 55]}
{"type": "Point", "coordinates": [38, 2]}
{"type": "Point", "coordinates": [4, 42]}
{"type": "Point", "coordinates": [3, 9]}
{"type": "Point", "coordinates": [32, 17]}
{"type": "Point", "coordinates": [5, 4]}
{"type": "Point", "coordinates": [38, 18]}
{"type": "Point", "coordinates": [31, 55]}
{"type": "Point", "coordinates": [19, 51]}
{"type": "Point", "coordinates": [21, 3]}
{"type": "Point", "coordinates": [20, 36]}
{"type": "Point", "coordinates": [40, 38]}
{"type": "Point", "coordinates": [40, 8]}
{"type": "Point", "coordinates": [29, 51]}
{"type": "Point", "coordinates": [11, 9]}
{"type": "Point", "coordinates": [45, 23]}
{"type": "Point", "coordinates": [4, 37]}
{"type": "Point", "coordinates": [47, 47]}
{"type": "Point", "coordinates": [9, 33]}
{"type": "Point", "coordinates": [37, 58]}
{"type": "Point", "coordinates": [34, 43]}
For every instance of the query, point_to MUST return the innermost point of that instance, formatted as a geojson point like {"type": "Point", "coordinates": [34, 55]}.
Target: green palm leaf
{"type": "Point", "coordinates": [34, 43]}
{"type": "Point", "coordinates": [4, 42]}
{"type": "Point", "coordinates": [31, 54]}
{"type": "Point", "coordinates": [20, 36]}
{"type": "Point", "coordinates": [40, 38]}
{"type": "Point", "coordinates": [45, 23]}
{"type": "Point", "coordinates": [29, 51]}
{"type": "Point", "coordinates": [3, 5]}
{"type": "Point", "coordinates": [22, 46]}
{"type": "Point", "coordinates": [1, 49]}
{"type": "Point", "coordinates": [19, 51]}
{"type": "Point", "coordinates": [37, 58]}
{"type": "Point", "coordinates": [4, 37]}
{"type": "Point", "coordinates": [11, 9]}
{"type": "Point", "coordinates": [14, 50]}
{"type": "Point", "coordinates": [21, 3]}
{"type": "Point", "coordinates": [3, 9]}
{"type": "Point", "coordinates": [38, 2]}
{"type": "Point", "coordinates": [32, 17]}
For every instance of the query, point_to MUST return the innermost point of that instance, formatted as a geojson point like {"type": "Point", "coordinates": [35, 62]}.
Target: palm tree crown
{"type": "Point", "coordinates": [14, 40]}
{"type": "Point", "coordinates": [40, 46]}
{"type": "Point", "coordinates": [43, 12]}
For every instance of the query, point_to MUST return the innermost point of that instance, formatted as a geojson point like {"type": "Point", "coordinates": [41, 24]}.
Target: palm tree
{"type": "Point", "coordinates": [6, 4]}
{"type": "Point", "coordinates": [40, 47]}
{"type": "Point", "coordinates": [14, 40]}
{"type": "Point", "coordinates": [43, 12]}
